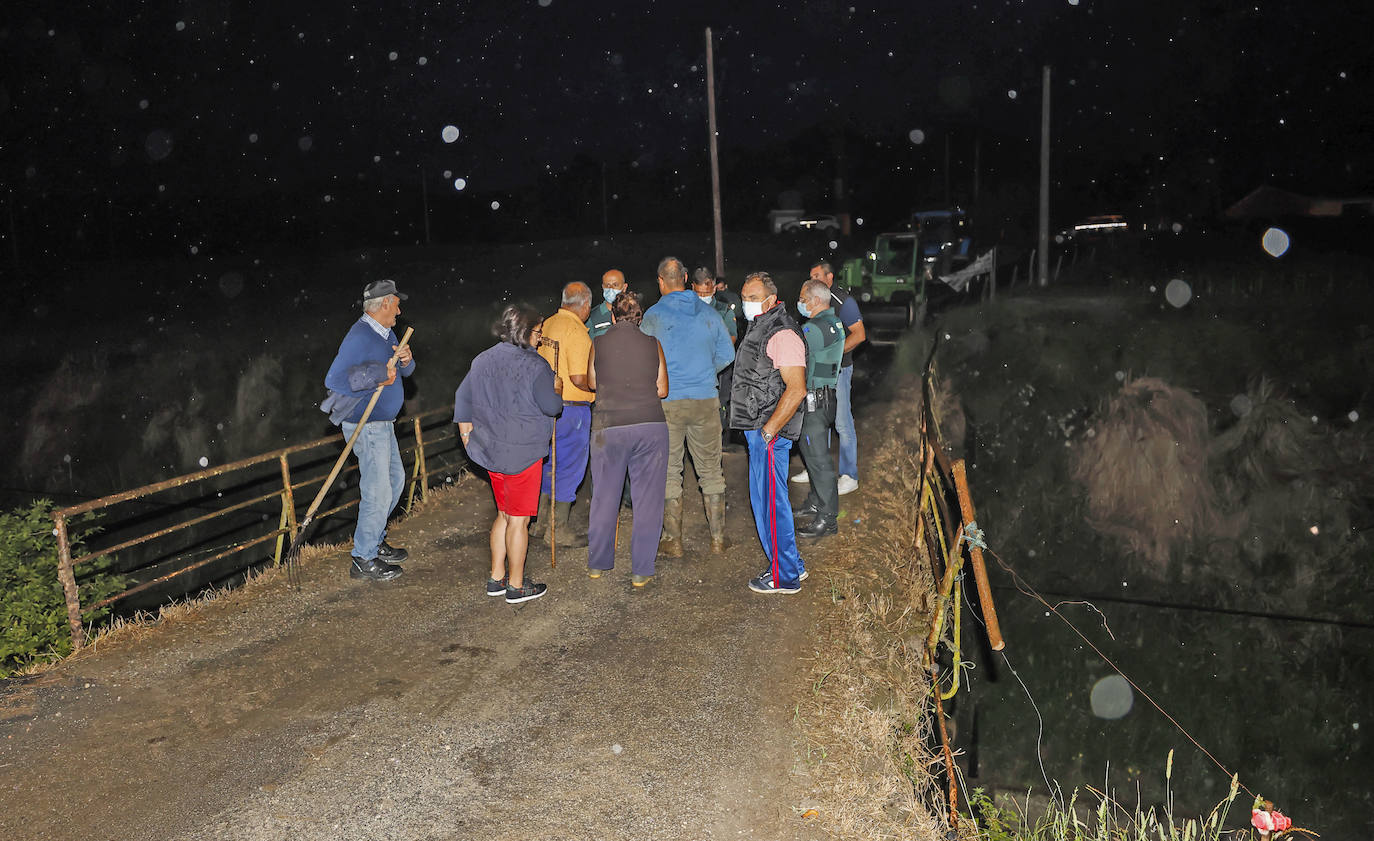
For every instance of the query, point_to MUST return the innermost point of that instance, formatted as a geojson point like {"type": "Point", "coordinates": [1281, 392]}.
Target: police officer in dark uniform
{"type": "Point", "coordinates": [824, 337]}
{"type": "Point", "coordinates": [704, 285]}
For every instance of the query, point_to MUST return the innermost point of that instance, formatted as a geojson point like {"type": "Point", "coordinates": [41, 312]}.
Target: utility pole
{"type": "Point", "coordinates": [424, 200]}
{"type": "Point", "coordinates": [715, 155]}
{"type": "Point", "coordinates": [1043, 270]}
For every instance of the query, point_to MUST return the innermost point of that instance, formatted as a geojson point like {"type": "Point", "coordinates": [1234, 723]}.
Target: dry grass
{"type": "Point", "coordinates": [1144, 468]}
{"type": "Point", "coordinates": [866, 722]}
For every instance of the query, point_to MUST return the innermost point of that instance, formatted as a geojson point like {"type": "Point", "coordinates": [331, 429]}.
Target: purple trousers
{"type": "Point", "coordinates": [641, 451]}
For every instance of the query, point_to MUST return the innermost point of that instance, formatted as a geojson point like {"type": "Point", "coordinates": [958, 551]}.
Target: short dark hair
{"type": "Point", "coordinates": [672, 271]}
{"type": "Point", "coordinates": [628, 306]}
{"type": "Point", "coordinates": [703, 275]}
{"type": "Point", "coordinates": [766, 279]}
{"type": "Point", "coordinates": [823, 265]}
{"type": "Point", "coordinates": [515, 324]}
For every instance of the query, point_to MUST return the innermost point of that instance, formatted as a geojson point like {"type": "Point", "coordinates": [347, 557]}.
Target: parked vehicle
{"type": "Point", "coordinates": [946, 239]}
{"type": "Point", "coordinates": [890, 285]}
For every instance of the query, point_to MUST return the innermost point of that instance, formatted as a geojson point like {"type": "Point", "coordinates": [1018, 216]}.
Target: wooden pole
{"type": "Point", "coordinates": [1045, 177]}
{"type": "Point", "coordinates": [424, 201]}
{"type": "Point", "coordinates": [975, 553]}
{"type": "Point", "coordinates": [715, 155]}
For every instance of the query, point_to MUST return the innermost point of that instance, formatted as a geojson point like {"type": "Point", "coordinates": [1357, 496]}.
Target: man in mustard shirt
{"type": "Point", "coordinates": [572, 430]}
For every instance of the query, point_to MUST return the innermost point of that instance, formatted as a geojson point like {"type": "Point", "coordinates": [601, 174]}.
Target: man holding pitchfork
{"type": "Point", "coordinates": [369, 358]}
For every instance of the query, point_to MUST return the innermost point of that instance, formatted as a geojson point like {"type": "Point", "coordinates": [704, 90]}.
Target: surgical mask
{"type": "Point", "coordinates": [802, 309]}
{"type": "Point", "coordinates": [609, 294]}
{"type": "Point", "coordinates": [753, 309]}
{"type": "Point", "coordinates": [706, 299]}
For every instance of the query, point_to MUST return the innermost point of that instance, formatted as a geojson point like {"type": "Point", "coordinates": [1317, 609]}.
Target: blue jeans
{"type": "Point", "coordinates": [381, 478]}
{"type": "Point", "coordinates": [844, 425]}
{"type": "Point", "coordinates": [572, 433]}
{"type": "Point", "coordinates": [772, 511]}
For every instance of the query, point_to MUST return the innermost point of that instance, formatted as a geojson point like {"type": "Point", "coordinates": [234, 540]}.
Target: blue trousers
{"type": "Point", "coordinates": [381, 478]}
{"type": "Point", "coordinates": [772, 511]}
{"type": "Point", "coordinates": [844, 424]}
{"type": "Point", "coordinates": [572, 434]}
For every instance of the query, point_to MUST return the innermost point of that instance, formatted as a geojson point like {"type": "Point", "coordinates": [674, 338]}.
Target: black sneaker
{"type": "Point", "coordinates": [765, 584]}
{"type": "Point", "coordinates": [373, 570]}
{"type": "Point", "coordinates": [821, 526]}
{"type": "Point", "coordinates": [527, 593]}
{"type": "Point", "coordinates": [497, 588]}
{"type": "Point", "coordinates": [390, 554]}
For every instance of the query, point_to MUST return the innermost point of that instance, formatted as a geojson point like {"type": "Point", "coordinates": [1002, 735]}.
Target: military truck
{"type": "Point", "coordinates": [889, 283]}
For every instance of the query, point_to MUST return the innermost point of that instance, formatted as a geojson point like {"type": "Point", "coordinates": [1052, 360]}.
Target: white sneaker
{"type": "Point", "coordinates": [802, 478]}
{"type": "Point", "coordinates": [848, 484]}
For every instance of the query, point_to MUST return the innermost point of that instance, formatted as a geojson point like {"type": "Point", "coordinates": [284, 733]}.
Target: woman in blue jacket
{"type": "Point", "coordinates": [504, 409]}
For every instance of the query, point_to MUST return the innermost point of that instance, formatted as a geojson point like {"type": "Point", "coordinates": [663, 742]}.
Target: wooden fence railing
{"type": "Point", "coordinates": [429, 430]}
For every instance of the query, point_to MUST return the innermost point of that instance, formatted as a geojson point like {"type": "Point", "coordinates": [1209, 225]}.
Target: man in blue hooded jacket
{"type": "Point", "coordinates": [696, 348]}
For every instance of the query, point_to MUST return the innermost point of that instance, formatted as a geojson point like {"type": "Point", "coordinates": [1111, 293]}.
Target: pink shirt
{"type": "Point", "coordinates": [786, 349]}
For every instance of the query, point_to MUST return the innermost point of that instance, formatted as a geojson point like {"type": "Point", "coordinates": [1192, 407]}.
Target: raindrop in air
{"type": "Point", "coordinates": [1241, 405]}
{"type": "Point", "coordinates": [917, 136]}
{"type": "Point", "coordinates": [204, 462]}
{"type": "Point", "coordinates": [1011, 94]}
{"type": "Point", "coordinates": [1178, 293]}
{"type": "Point", "coordinates": [158, 144]}
{"type": "Point", "coordinates": [392, 56]}
{"type": "Point", "coordinates": [1120, 376]}
{"type": "Point", "coordinates": [833, 245]}
{"type": "Point", "coordinates": [231, 284]}
{"type": "Point", "coordinates": [305, 143]}
{"type": "Point", "coordinates": [181, 26]}
{"type": "Point", "coordinates": [544, 4]}
{"type": "Point", "coordinates": [859, 221]}
{"type": "Point", "coordinates": [1354, 416]}
{"type": "Point", "coordinates": [253, 138]}
{"type": "Point", "coordinates": [448, 173]}
{"type": "Point", "coordinates": [1112, 697]}
{"type": "Point", "coordinates": [496, 205]}
{"type": "Point", "coordinates": [143, 105]}
{"type": "Point", "coordinates": [460, 184]}
{"type": "Point", "coordinates": [450, 134]}
{"type": "Point", "coordinates": [1176, 227]}
{"type": "Point", "coordinates": [1275, 242]}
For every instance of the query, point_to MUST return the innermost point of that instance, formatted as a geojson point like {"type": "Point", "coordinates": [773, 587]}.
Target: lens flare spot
{"type": "Point", "coordinates": [1275, 242]}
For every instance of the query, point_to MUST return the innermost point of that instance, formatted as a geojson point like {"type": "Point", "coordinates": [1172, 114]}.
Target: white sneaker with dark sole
{"type": "Point", "coordinates": [802, 478]}
{"type": "Point", "coordinates": [848, 484]}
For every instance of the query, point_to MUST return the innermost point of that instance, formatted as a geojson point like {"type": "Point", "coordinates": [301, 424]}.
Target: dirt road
{"type": "Point", "coordinates": [422, 709]}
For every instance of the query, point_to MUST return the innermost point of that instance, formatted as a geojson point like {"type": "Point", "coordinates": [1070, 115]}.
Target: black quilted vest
{"type": "Point", "coordinates": [758, 385]}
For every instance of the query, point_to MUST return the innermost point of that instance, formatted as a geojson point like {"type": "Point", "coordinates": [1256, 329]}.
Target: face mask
{"type": "Point", "coordinates": [753, 309]}
{"type": "Point", "coordinates": [609, 294]}
{"type": "Point", "coordinates": [706, 299]}
{"type": "Point", "coordinates": [802, 309]}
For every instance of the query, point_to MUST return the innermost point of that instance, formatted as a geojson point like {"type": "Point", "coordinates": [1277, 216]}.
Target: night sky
{"type": "Point", "coordinates": [1180, 107]}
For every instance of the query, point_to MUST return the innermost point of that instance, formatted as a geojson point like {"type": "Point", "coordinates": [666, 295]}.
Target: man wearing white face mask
{"type": "Point", "coordinates": [612, 284]}
{"type": "Point", "coordinates": [704, 285]}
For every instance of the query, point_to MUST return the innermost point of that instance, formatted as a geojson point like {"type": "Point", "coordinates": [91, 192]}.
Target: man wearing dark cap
{"type": "Point", "coordinates": [362, 364]}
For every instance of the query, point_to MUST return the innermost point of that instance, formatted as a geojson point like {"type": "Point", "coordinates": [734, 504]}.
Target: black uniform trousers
{"type": "Point", "coordinates": [814, 445]}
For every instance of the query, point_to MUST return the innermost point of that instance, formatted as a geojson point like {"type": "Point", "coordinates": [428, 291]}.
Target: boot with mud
{"type": "Point", "coordinates": [671, 544]}
{"type": "Point", "coordinates": [562, 511]}
{"type": "Point", "coordinates": [540, 524]}
{"type": "Point", "coordinates": [715, 518]}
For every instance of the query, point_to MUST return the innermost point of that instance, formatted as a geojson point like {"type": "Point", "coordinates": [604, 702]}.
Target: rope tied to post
{"type": "Point", "coordinates": [974, 535]}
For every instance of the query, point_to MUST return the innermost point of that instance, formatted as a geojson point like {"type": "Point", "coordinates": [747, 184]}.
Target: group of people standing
{"type": "Point", "coordinates": [631, 391]}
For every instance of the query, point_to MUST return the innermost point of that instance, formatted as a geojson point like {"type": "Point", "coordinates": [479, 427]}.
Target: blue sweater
{"type": "Point", "coordinates": [695, 344]}
{"type": "Point", "coordinates": [360, 366]}
{"type": "Point", "coordinates": [508, 398]}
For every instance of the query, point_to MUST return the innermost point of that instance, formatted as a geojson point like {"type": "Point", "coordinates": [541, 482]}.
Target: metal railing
{"type": "Point", "coordinates": [429, 430]}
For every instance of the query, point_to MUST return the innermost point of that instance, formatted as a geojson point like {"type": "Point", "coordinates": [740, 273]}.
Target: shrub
{"type": "Point", "coordinates": [33, 611]}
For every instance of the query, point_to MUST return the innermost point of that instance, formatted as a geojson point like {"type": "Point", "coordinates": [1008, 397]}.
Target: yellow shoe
{"type": "Point", "coordinates": [640, 580]}
{"type": "Point", "coordinates": [594, 573]}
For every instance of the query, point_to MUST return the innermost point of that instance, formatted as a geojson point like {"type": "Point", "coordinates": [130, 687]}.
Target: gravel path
{"type": "Point", "coordinates": [422, 709]}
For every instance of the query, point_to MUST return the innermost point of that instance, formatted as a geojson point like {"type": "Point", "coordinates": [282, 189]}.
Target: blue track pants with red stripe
{"type": "Point", "coordinates": [772, 509]}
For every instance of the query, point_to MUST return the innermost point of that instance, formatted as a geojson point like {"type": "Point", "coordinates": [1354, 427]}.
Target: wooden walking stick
{"type": "Point", "coordinates": [553, 468]}
{"type": "Point", "coordinates": [293, 553]}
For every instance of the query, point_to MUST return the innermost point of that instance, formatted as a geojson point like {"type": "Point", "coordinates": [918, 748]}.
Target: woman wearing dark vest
{"type": "Point", "coordinates": [629, 435]}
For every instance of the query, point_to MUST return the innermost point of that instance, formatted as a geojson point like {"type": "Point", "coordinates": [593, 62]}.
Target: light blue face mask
{"type": "Point", "coordinates": [802, 309]}
{"type": "Point", "coordinates": [609, 294]}
{"type": "Point", "coordinates": [706, 299]}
